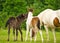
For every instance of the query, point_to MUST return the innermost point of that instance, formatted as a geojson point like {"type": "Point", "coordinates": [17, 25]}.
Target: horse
{"type": "Point", "coordinates": [49, 18]}
{"type": "Point", "coordinates": [15, 24]}
{"type": "Point", "coordinates": [29, 18]}
{"type": "Point", "coordinates": [33, 25]}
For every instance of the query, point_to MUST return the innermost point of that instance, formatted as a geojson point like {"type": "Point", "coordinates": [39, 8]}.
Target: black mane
{"type": "Point", "coordinates": [20, 16]}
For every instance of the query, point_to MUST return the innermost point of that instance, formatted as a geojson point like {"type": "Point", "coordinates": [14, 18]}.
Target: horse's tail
{"type": "Point", "coordinates": [6, 24]}
{"type": "Point", "coordinates": [38, 24]}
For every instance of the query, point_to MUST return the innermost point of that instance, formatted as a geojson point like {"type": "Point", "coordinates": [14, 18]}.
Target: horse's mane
{"type": "Point", "coordinates": [12, 18]}
{"type": "Point", "coordinates": [20, 16]}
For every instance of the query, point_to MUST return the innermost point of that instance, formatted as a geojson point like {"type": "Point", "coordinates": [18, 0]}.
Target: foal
{"type": "Point", "coordinates": [31, 26]}
{"type": "Point", "coordinates": [29, 18]}
{"type": "Point", "coordinates": [15, 23]}
{"type": "Point", "coordinates": [35, 27]}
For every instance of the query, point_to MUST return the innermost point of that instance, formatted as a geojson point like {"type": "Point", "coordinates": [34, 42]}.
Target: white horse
{"type": "Point", "coordinates": [33, 25]}
{"type": "Point", "coordinates": [50, 19]}
{"type": "Point", "coordinates": [29, 18]}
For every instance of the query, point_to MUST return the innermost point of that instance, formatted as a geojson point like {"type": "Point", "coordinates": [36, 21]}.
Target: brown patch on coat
{"type": "Point", "coordinates": [56, 22]}
{"type": "Point", "coordinates": [33, 33]}
{"type": "Point", "coordinates": [35, 22]}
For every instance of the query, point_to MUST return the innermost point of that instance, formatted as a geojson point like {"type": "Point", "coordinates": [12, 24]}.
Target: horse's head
{"type": "Point", "coordinates": [30, 10]}
{"type": "Point", "coordinates": [23, 16]}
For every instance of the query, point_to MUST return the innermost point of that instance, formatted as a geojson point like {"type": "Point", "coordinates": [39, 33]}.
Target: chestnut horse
{"type": "Point", "coordinates": [50, 18]}
{"type": "Point", "coordinates": [35, 27]}
{"type": "Point", "coordinates": [15, 23]}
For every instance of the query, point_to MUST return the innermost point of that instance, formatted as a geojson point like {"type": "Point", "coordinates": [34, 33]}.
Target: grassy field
{"type": "Point", "coordinates": [3, 37]}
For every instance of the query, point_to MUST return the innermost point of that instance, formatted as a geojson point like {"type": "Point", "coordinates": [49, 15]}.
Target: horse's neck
{"type": "Point", "coordinates": [20, 20]}
{"type": "Point", "coordinates": [30, 15]}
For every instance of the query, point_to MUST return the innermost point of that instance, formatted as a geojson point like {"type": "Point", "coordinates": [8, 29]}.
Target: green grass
{"type": "Point", "coordinates": [3, 37]}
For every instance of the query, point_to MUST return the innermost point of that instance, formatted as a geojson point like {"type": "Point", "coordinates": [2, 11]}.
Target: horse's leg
{"type": "Point", "coordinates": [21, 34]}
{"type": "Point", "coordinates": [53, 30]}
{"type": "Point", "coordinates": [8, 32]}
{"type": "Point", "coordinates": [27, 32]}
{"type": "Point", "coordinates": [40, 31]}
{"type": "Point", "coordinates": [30, 34]}
{"type": "Point", "coordinates": [16, 33]}
{"type": "Point", "coordinates": [46, 28]}
{"type": "Point", "coordinates": [35, 32]}
{"type": "Point", "coordinates": [35, 36]}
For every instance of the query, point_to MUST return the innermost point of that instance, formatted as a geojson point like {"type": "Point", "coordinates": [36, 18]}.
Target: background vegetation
{"type": "Point", "coordinates": [4, 37]}
{"type": "Point", "coordinates": [14, 8]}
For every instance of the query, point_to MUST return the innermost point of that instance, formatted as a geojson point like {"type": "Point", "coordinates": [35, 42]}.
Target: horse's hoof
{"type": "Point", "coordinates": [42, 40]}
{"type": "Point", "coordinates": [8, 40]}
{"type": "Point", "coordinates": [25, 40]}
{"type": "Point", "coordinates": [22, 40]}
{"type": "Point", "coordinates": [48, 40]}
{"type": "Point", "coordinates": [15, 40]}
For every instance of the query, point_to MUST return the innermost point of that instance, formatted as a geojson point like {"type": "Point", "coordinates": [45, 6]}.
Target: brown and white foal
{"type": "Point", "coordinates": [35, 27]}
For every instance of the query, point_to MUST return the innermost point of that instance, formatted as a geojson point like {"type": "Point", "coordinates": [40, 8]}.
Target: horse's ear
{"type": "Point", "coordinates": [30, 9]}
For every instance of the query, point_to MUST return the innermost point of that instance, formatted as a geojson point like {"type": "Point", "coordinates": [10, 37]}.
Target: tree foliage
{"type": "Point", "coordinates": [14, 8]}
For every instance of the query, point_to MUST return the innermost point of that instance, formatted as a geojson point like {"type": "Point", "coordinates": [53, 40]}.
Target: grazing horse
{"type": "Point", "coordinates": [49, 18]}
{"type": "Point", "coordinates": [15, 23]}
{"type": "Point", "coordinates": [33, 24]}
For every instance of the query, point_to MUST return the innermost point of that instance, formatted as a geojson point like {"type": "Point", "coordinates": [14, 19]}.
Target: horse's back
{"type": "Point", "coordinates": [48, 16]}
{"type": "Point", "coordinates": [43, 14]}
{"type": "Point", "coordinates": [10, 21]}
{"type": "Point", "coordinates": [34, 20]}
